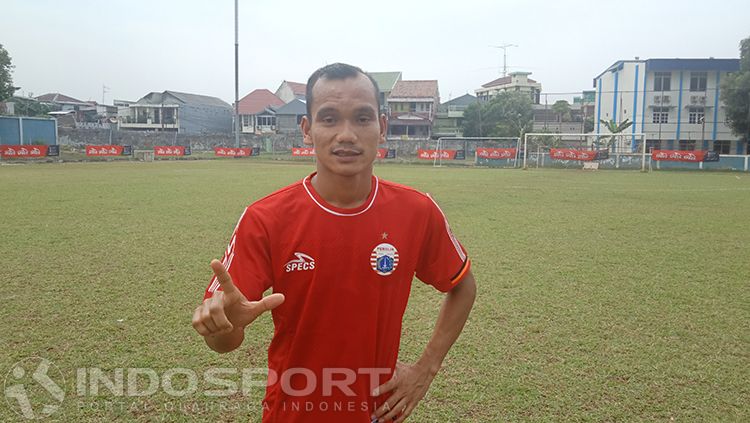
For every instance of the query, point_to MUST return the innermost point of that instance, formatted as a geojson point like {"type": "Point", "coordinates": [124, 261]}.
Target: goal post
{"type": "Point", "coordinates": [614, 149]}
{"type": "Point", "coordinates": [469, 146]}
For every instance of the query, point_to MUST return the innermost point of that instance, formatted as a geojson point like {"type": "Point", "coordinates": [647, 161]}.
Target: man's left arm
{"type": "Point", "coordinates": [411, 382]}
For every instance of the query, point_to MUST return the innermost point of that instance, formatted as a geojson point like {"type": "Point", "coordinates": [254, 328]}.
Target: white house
{"type": "Point", "coordinates": [675, 102]}
{"type": "Point", "coordinates": [515, 81]}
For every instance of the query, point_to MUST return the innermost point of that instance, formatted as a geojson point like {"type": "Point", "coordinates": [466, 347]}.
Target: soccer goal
{"type": "Point", "coordinates": [574, 150]}
{"type": "Point", "coordinates": [480, 150]}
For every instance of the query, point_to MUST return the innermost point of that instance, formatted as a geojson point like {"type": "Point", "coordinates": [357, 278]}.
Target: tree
{"type": "Point", "coordinates": [6, 82]}
{"type": "Point", "coordinates": [509, 114]}
{"type": "Point", "coordinates": [562, 109]}
{"type": "Point", "coordinates": [588, 124]}
{"type": "Point", "coordinates": [736, 94]}
{"type": "Point", "coordinates": [30, 107]}
{"type": "Point", "coordinates": [613, 128]}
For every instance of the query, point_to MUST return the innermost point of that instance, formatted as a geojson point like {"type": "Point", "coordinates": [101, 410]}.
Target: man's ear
{"type": "Point", "coordinates": [305, 127]}
{"type": "Point", "coordinates": [383, 121]}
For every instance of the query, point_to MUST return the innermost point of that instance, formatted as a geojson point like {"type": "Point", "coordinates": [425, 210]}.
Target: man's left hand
{"type": "Point", "coordinates": [408, 386]}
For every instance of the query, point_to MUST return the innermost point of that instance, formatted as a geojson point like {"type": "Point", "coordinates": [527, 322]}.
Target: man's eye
{"type": "Point", "coordinates": [364, 119]}
{"type": "Point", "coordinates": [328, 119]}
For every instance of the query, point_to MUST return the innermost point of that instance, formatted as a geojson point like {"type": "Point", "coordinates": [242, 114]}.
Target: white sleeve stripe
{"type": "Point", "coordinates": [453, 239]}
{"type": "Point", "coordinates": [228, 254]}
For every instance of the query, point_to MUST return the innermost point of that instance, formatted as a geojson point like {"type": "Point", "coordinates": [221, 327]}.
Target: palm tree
{"type": "Point", "coordinates": [614, 129]}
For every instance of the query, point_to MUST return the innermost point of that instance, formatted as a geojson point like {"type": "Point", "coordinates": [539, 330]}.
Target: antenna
{"type": "Point", "coordinates": [505, 47]}
{"type": "Point", "coordinates": [105, 89]}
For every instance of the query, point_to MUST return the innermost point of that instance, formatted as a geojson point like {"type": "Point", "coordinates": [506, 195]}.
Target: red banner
{"type": "Point", "coordinates": [496, 153]}
{"type": "Point", "coordinates": [570, 154]}
{"type": "Point", "coordinates": [678, 156]}
{"type": "Point", "coordinates": [103, 150]}
{"type": "Point", "coordinates": [436, 154]}
{"type": "Point", "coordinates": [23, 151]}
{"type": "Point", "coordinates": [169, 150]}
{"type": "Point", "coordinates": [233, 152]}
{"type": "Point", "coordinates": [303, 151]}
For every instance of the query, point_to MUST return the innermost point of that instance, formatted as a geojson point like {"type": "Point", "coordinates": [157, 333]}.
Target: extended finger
{"type": "Point", "coordinates": [388, 405]}
{"type": "Point", "coordinates": [268, 303]}
{"type": "Point", "coordinates": [386, 387]}
{"type": "Point", "coordinates": [225, 280]}
{"type": "Point", "coordinates": [253, 309]}
{"type": "Point", "coordinates": [406, 413]}
{"type": "Point", "coordinates": [397, 409]}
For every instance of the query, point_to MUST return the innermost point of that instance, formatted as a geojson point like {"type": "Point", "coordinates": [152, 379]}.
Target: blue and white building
{"type": "Point", "coordinates": [675, 102]}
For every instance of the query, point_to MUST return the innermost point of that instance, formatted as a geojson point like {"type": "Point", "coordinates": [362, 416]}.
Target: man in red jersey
{"type": "Point", "coordinates": [339, 249]}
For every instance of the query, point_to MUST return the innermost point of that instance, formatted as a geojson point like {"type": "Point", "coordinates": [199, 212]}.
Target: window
{"type": "Point", "coordinates": [722, 147]}
{"type": "Point", "coordinates": [687, 145]}
{"type": "Point", "coordinates": [265, 120]}
{"type": "Point", "coordinates": [696, 115]}
{"type": "Point", "coordinates": [698, 81]}
{"type": "Point", "coordinates": [653, 145]}
{"type": "Point", "coordinates": [246, 120]}
{"type": "Point", "coordinates": [661, 115]}
{"type": "Point", "coordinates": [662, 81]}
{"type": "Point", "coordinates": [412, 107]}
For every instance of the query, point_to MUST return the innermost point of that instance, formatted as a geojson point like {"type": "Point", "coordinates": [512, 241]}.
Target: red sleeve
{"type": "Point", "coordinates": [443, 261]}
{"type": "Point", "coordinates": [247, 258]}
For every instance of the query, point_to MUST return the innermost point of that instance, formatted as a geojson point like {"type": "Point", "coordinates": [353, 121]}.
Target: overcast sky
{"type": "Point", "coordinates": [137, 46]}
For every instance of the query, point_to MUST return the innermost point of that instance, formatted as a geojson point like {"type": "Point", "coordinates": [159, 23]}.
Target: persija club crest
{"type": "Point", "coordinates": [384, 259]}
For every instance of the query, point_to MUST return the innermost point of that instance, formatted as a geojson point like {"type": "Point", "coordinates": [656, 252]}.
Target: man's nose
{"type": "Point", "coordinates": [346, 132]}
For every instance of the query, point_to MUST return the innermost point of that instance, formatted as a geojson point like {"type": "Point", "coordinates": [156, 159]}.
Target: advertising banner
{"type": "Point", "coordinates": [23, 151]}
{"type": "Point", "coordinates": [678, 156]}
{"type": "Point", "coordinates": [571, 154]}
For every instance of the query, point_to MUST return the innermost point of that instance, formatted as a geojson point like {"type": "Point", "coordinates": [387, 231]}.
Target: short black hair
{"type": "Point", "coordinates": [336, 71]}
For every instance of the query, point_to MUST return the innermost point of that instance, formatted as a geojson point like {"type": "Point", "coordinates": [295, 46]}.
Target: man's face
{"type": "Point", "coordinates": [345, 127]}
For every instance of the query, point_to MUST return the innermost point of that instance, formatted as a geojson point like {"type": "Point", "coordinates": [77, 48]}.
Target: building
{"type": "Point", "coordinates": [450, 116]}
{"type": "Point", "coordinates": [258, 111]}
{"type": "Point", "coordinates": [515, 81]}
{"type": "Point", "coordinates": [547, 118]}
{"type": "Point", "coordinates": [289, 116]}
{"type": "Point", "coordinates": [178, 112]}
{"type": "Point", "coordinates": [412, 106]}
{"type": "Point", "coordinates": [84, 111]}
{"type": "Point", "coordinates": [289, 91]}
{"type": "Point", "coordinates": [386, 81]}
{"type": "Point", "coordinates": [675, 102]}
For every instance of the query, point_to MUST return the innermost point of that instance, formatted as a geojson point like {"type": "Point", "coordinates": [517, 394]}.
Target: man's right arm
{"type": "Point", "coordinates": [223, 317]}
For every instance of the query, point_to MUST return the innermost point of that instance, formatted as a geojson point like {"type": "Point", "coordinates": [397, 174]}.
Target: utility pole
{"type": "Point", "coordinates": [236, 77]}
{"type": "Point", "coordinates": [105, 89]}
{"type": "Point", "coordinates": [505, 47]}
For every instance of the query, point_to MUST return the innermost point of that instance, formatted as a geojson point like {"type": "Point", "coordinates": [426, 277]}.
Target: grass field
{"type": "Point", "coordinates": [605, 296]}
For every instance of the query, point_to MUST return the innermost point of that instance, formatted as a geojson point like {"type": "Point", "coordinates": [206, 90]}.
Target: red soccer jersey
{"type": "Point", "coordinates": [346, 275]}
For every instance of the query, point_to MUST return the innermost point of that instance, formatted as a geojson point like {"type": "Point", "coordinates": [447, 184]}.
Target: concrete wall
{"type": "Point", "coordinates": [146, 140]}
{"type": "Point", "coordinates": [201, 119]}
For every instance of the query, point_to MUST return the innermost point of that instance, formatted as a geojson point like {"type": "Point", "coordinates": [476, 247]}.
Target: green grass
{"type": "Point", "coordinates": [604, 296]}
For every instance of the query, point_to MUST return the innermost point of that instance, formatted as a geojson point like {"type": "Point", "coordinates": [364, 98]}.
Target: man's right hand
{"type": "Point", "coordinates": [228, 310]}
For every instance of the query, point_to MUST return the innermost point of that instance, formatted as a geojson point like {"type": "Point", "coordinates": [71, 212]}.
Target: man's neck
{"type": "Point", "coordinates": [346, 192]}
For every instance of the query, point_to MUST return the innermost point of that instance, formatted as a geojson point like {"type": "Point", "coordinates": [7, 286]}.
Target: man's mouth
{"type": "Point", "coordinates": [346, 152]}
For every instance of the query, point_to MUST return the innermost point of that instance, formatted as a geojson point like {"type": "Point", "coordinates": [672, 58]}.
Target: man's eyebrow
{"type": "Point", "coordinates": [365, 109]}
{"type": "Point", "coordinates": [325, 111]}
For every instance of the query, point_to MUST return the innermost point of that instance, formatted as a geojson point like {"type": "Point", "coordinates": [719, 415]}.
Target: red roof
{"type": "Point", "coordinates": [505, 80]}
{"type": "Point", "coordinates": [257, 101]}
{"type": "Point", "coordinates": [298, 88]}
{"type": "Point", "coordinates": [415, 89]}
